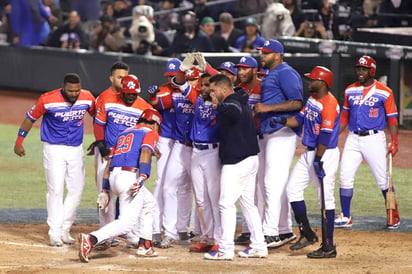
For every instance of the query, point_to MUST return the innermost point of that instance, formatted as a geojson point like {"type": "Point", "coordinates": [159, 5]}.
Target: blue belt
{"type": "Point", "coordinates": [205, 146]}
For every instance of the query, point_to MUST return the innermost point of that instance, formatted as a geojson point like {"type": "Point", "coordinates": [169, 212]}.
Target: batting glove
{"type": "Point", "coordinates": [187, 63]}
{"type": "Point", "coordinates": [137, 185]}
{"type": "Point", "coordinates": [201, 61]}
{"type": "Point", "coordinates": [152, 90]}
{"type": "Point", "coordinates": [103, 200]}
{"type": "Point", "coordinates": [318, 165]}
{"type": "Point", "coordinates": [393, 147]}
{"type": "Point", "coordinates": [104, 151]}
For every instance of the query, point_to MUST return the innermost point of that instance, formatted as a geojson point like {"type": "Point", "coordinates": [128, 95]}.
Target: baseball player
{"type": "Point", "coordinates": [125, 174]}
{"type": "Point", "coordinates": [115, 114]}
{"type": "Point", "coordinates": [281, 95]}
{"type": "Point", "coordinates": [177, 189]}
{"type": "Point", "coordinates": [61, 132]}
{"type": "Point", "coordinates": [240, 164]}
{"type": "Point", "coordinates": [368, 105]}
{"type": "Point", "coordinates": [319, 162]}
{"type": "Point", "coordinates": [166, 142]}
{"type": "Point", "coordinates": [229, 69]}
{"type": "Point", "coordinates": [99, 149]}
{"type": "Point", "coordinates": [205, 168]}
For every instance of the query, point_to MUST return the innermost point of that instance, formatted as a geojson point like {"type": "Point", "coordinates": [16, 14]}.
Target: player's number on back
{"type": "Point", "coordinates": [124, 144]}
{"type": "Point", "coordinates": [373, 112]}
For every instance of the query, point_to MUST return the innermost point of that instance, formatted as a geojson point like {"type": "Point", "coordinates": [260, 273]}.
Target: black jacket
{"type": "Point", "coordinates": [237, 133]}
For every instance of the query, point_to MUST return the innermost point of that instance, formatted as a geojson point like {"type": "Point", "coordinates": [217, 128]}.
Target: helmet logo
{"type": "Point", "coordinates": [189, 72]}
{"type": "Point", "coordinates": [363, 61]}
{"type": "Point", "coordinates": [131, 85]}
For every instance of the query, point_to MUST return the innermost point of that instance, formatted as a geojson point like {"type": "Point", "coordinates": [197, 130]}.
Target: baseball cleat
{"type": "Point", "coordinates": [287, 237]}
{"type": "Point", "coordinates": [200, 247]}
{"type": "Point", "coordinates": [56, 242]}
{"type": "Point", "coordinates": [85, 247]}
{"type": "Point", "coordinates": [303, 242]}
{"type": "Point", "coordinates": [218, 255]}
{"type": "Point", "coordinates": [394, 226]}
{"type": "Point", "coordinates": [243, 239]}
{"type": "Point", "coordinates": [167, 242]}
{"type": "Point", "coordinates": [67, 238]}
{"type": "Point", "coordinates": [146, 252]}
{"type": "Point", "coordinates": [325, 251]}
{"type": "Point", "coordinates": [253, 253]}
{"type": "Point", "coordinates": [273, 241]}
{"type": "Point", "coordinates": [343, 221]}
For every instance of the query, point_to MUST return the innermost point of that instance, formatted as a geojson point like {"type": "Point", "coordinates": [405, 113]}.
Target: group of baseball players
{"type": "Point", "coordinates": [219, 136]}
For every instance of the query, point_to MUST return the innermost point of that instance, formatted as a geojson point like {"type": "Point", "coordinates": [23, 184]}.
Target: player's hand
{"type": "Point", "coordinates": [277, 120]}
{"type": "Point", "coordinates": [187, 63]}
{"type": "Point", "coordinates": [104, 151]}
{"type": "Point", "coordinates": [90, 149]}
{"type": "Point", "coordinates": [318, 165]}
{"type": "Point", "coordinates": [152, 90]}
{"type": "Point", "coordinates": [137, 185]}
{"type": "Point", "coordinates": [259, 108]}
{"type": "Point", "coordinates": [19, 150]}
{"type": "Point", "coordinates": [201, 61]}
{"type": "Point", "coordinates": [157, 153]}
{"type": "Point", "coordinates": [103, 200]}
{"type": "Point", "coordinates": [393, 146]}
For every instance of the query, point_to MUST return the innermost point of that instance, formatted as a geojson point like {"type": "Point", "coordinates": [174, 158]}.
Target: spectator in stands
{"type": "Point", "coordinates": [107, 36]}
{"type": "Point", "coordinates": [89, 10]}
{"type": "Point", "coordinates": [247, 7]}
{"type": "Point", "coordinates": [228, 30]}
{"type": "Point", "coordinates": [55, 11]}
{"type": "Point", "coordinates": [201, 9]}
{"type": "Point", "coordinates": [312, 30]}
{"type": "Point", "coordinates": [298, 17]}
{"type": "Point", "coordinates": [27, 22]}
{"type": "Point", "coordinates": [5, 30]}
{"type": "Point", "coordinates": [207, 25]}
{"type": "Point", "coordinates": [371, 10]}
{"type": "Point", "coordinates": [122, 9]}
{"type": "Point", "coordinates": [251, 39]}
{"type": "Point", "coordinates": [108, 9]}
{"type": "Point", "coordinates": [395, 7]}
{"type": "Point", "coordinates": [71, 35]}
{"type": "Point", "coordinates": [277, 22]}
{"type": "Point", "coordinates": [189, 38]}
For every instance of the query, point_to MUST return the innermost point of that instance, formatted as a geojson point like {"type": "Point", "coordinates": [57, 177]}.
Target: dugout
{"type": "Point", "coordinates": [40, 69]}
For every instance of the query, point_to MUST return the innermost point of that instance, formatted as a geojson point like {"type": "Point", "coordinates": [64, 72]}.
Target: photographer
{"type": "Point", "coordinates": [310, 29]}
{"type": "Point", "coordinates": [107, 36]}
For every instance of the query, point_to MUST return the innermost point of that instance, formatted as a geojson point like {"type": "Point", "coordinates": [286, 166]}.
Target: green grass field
{"type": "Point", "coordinates": [22, 181]}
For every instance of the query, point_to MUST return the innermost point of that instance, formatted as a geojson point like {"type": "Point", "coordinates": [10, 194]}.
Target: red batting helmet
{"type": "Point", "coordinates": [192, 73]}
{"type": "Point", "coordinates": [130, 84]}
{"type": "Point", "coordinates": [151, 114]}
{"type": "Point", "coordinates": [367, 62]}
{"type": "Point", "coordinates": [321, 73]}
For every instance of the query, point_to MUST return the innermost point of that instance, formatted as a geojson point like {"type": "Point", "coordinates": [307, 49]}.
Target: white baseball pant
{"type": "Point", "coordinates": [238, 182]}
{"type": "Point", "coordinates": [63, 163]}
{"type": "Point", "coordinates": [205, 170]}
{"type": "Point", "coordinates": [134, 212]}
{"type": "Point", "coordinates": [373, 149]}
{"type": "Point", "coordinates": [304, 173]}
{"type": "Point", "coordinates": [278, 149]}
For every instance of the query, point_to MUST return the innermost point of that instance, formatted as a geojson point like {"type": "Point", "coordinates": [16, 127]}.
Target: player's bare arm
{"type": "Point", "coordinates": [290, 105]}
{"type": "Point", "coordinates": [291, 122]}
{"type": "Point", "coordinates": [25, 126]}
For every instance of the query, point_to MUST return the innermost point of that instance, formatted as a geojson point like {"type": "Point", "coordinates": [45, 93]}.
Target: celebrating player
{"type": "Point", "coordinates": [238, 153]}
{"type": "Point", "coordinates": [99, 148]}
{"type": "Point", "coordinates": [319, 162]}
{"type": "Point", "coordinates": [61, 132]}
{"type": "Point", "coordinates": [368, 104]}
{"type": "Point", "coordinates": [125, 174]}
{"type": "Point", "coordinates": [282, 95]}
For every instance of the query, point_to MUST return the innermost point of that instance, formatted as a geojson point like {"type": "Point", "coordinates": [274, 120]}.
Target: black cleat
{"type": "Point", "coordinates": [325, 251]}
{"type": "Point", "coordinates": [303, 242]}
{"type": "Point", "coordinates": [243, 239]}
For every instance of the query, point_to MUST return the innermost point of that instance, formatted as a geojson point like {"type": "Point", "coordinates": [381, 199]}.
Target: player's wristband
{"type": "Point", "coordinates": [21, 134]}
{"type": "Point", "coordinates": [106, 184]}
{"type": "Point", "coordinates": [144, 169]}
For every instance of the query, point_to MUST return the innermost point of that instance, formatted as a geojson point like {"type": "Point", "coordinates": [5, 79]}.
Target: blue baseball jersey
{"type": "Point", "coordinates": [129, 144]}
{"type": "Point", "coordinates": [280, 84]}
{"type": "Point", "coordinates": [62, 121]}
{"type": "Point", "coordinates": [184, 110]}
{"type": "Point", "coordinates": [116, 116]}
{"type": "Point", "coordinates": [204, 127]}
{"type": "Point", "coordinates": [168, 126]}
{"type": "Point", "coordinates": [369, 107]}
{"type": "Point", "coordinates": [320, 115]}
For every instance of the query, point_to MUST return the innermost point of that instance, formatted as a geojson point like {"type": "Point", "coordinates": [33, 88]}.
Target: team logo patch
{"type": "Point", "coordinates": [327, 123]}
{"type": "Point", "coordinates": [266, 43]}
{"type": "Point", "coordinates": [226, 64]}
{"type": "Point", "coordinates": [242, 60]}
{"type": "Point", "coordinates": [172, 66]}
{"type": "Point", "coordinates": [131, 85]}
{"type": "Point", "coordinates": [33, 107]}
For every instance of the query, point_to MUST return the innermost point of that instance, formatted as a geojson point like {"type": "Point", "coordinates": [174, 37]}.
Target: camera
{"type": "Point", "coordinates": [142, 35]}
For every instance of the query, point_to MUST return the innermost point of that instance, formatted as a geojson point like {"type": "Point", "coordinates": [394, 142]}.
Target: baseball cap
{"type": "Point", "coordinates": [172, 67]}
{"type": "Point", "coordinates": [250, 21]}
{"type": "Point", "coordinates": [228, 66]}
{"type": "Point", "coordinates": [261, 71]}
{"type": "Point", "coordinates": [248, 62]}
{"type": "Point", "coordinates": [272, 46]}
{"type": "Point", "coordinates": [207, 19]}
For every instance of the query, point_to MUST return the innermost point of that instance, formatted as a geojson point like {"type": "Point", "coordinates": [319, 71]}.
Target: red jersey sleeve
{"type": "Point", "coordinates": [37, 110]}
{"type": "Point", "coordinates": [150, 140]}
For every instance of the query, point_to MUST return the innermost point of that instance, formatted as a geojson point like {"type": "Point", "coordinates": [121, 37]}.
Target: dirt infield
{"type": "Point", "coordinates": [24, 247]}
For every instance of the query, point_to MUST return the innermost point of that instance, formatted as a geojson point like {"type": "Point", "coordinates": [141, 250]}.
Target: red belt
{"type": "Point", "coordinates": [127, 168]}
